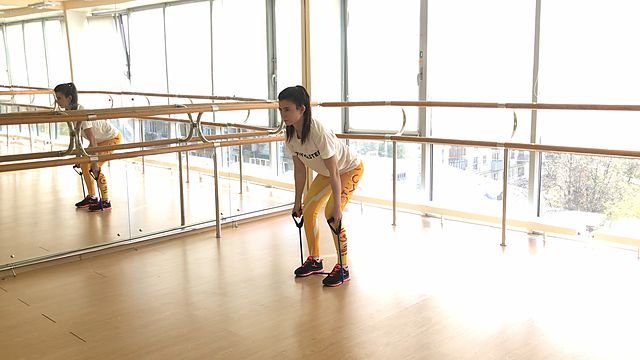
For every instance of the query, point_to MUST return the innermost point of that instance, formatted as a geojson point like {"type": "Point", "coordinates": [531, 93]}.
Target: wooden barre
{"type": "Point", "coordinates": [26, 106]}
{"type": "Point", "coordinates": [195, 139]}
{"type": "Point", "coordinates": [133, 154]}
{"type": "Point", "coordinates": [207, 123]}
{"type": "Point", "coordinates": [143, 144]}
{"type": "Point", "coordinates": [26, 92]}
{"type": "Point", "coordinates": [207, 97]}
{"type": "Point", "coordinates": [179, 96]}
{"type": "Point", "coordinates": [531, 106]}
{"type": "Point", "coordinates": [517, 146]}
{"type": "Point", "coordinates": [36, 117]}
{"type": "Point", "coordinates": [24, 87]}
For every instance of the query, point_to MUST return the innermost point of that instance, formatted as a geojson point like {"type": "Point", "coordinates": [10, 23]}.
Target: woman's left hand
{"type": "Point", "coordinates": [94, 168]}
{"type": "Point", "coordinates": [336, 214]}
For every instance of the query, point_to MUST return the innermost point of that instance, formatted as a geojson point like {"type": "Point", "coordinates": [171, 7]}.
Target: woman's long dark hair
{"type": "Point", "coordinates": [299, 96]}
{"type": "Point", "coordinates": [68, 89]}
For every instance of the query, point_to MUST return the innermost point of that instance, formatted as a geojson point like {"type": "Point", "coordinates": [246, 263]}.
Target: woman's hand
{"type": "Point", "coordinates": [336, 215]}
{"type": "Point", "coordinates": [297, 210]}
{"type": "Point", "coordinates": [94, 168]}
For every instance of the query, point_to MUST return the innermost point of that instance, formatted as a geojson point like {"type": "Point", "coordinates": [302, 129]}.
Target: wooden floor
{"type": "Point", "coordinates": [418, 291]}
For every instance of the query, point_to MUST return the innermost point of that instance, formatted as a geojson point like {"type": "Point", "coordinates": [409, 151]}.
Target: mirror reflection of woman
{"type": "Point", "coordinates": [99, 133]}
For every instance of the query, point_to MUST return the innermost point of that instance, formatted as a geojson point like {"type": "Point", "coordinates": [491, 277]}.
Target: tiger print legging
{"type": "Point", "coordinates": [319, 194]}
{"type": "Point", "coordinates": [102, 180]}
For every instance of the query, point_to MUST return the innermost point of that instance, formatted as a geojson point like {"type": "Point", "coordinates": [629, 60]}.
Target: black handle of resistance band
{"type": "Point", "coordinates": [299, 225]}
{"type": "Point", "coordinates": [337, 229]}
{"type": "Point", "coordinates": [336, 232]}
{"type": "Point", "coordinates": [96, 176]}
{"type": "Point", "coordinates": [78, 171]}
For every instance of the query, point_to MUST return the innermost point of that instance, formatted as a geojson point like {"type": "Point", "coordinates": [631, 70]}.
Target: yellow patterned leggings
{"type": "Point", "coordinates": [102, 180]}
{"type": "Point", "coordinates": [320, 194]}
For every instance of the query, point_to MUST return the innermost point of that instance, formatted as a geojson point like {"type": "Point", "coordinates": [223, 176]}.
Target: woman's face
{"type": "Point", "coordinates": [289, 113]}
{"type": "Point", "coordinates": [63, 101]}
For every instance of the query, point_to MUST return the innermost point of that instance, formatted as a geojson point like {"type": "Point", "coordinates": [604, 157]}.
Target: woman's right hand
{"type": "Point", "coordinates": [297, 210]}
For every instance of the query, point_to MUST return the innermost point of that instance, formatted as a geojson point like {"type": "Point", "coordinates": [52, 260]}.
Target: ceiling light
{"type": "Point", "coordinates": [43, 4]}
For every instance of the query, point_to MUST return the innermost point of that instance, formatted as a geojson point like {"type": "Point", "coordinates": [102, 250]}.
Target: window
{"type": "Point", "coordinates": [4, 71]}
{"type": "Point", "coordinates": [589, 62]}
{"type": "Point", "coordinates": [468, 59]}
{"type": "Point", "coordinates": [325, 61]}
{"type": "Point", "coordinates": [148, 68]}
{"type": "Point", "coordinates": [288, 43]}
{"type": "Point", "coordinates": [17, 61]}
{"type": "Point", "coordinates": [35, 54]}
{"type": "Point", "coordinates": [383, 61]}
{"type": "Point", "coordinates": [189, 66]}
{"type": "Point", "coordinates": [240, 56]}
{"type": "Point", "coordinates": [57, 54]}
{"type": "Point", "coordinates": [105, 52]}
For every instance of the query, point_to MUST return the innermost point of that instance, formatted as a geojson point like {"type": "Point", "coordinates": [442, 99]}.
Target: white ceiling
{"type": "Point", "coordinates": [12, 9]}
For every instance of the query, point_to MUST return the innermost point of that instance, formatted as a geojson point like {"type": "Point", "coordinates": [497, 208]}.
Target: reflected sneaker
{"type": "Point", "coordinates": [337, 277]}
{"type": "Point", "coordinates": [311, 266]}
{"type": "Point", "coordinates": [101, 205]}
{"type": "Point", "coordinates": [87, 201]}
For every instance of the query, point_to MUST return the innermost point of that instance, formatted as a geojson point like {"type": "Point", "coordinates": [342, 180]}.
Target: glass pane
{"type": "Point", "coordinates": [468, 178]}
{"type": "Point", "coordinates": [61, 227]}
{"type": "Point", "coordinates": [17, 61]}
{"type": "Point", "coordinates": [476, 53]}
{"type": "Point", "coordinates": [199, 193]}
{"type": "Point", "coordinates": [189, 66]}
{"type": "Point", "coordinates": [377, 157]}
{"type": "Point", "coordinates": [240, 53]}
{"type": "Point", "coordinates": [4, 71]}
{"type": "Point", "coordinates": [36, 60]}
{"type": "Point", "coordinates": [155, 201]}
{"type": "Point", "coordinates": [472, 57]}
{"type": "Point", "coordinates": [57, 52]}
{"type": "Point", "coordinates": [468, 60]}
{"type": "Point", "coordinates": [383, 60]}
{"type": "Point", "coordinates": [591, 194]}
{"type": "Point", "coordinates": [105, 52]}
{"type": "Point", "coordinates": [583, 63]}
{"type": "Point", "coordinates": [288, 43]}
{"type": "Point", "coordinates": [325, 61]}
{"type": "Point", "coordinates": [37, 67]}
{"type": "Point", "coordinates": [148, 69]}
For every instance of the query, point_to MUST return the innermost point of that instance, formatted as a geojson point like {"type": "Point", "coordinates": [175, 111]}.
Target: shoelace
{"type": "Point", "coordinates": [310, 261]}
{"type": "Point", "coordinates": [335, 271]}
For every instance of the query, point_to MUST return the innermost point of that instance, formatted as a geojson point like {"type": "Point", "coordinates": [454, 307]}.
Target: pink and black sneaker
{"type": "Point", "coordinates": [101, 205]}
{"type": "Point", "coordinates": [87, 201]}
{"type": "Point", "coordinates": [310, 266]}
{"type": "Point", "coordinates": [338, 276]}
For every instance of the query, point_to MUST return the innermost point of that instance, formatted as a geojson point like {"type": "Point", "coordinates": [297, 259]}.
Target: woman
{"type": "Point", "coordinates": [339, 171]}
{"type": "Point", "coordinates": [99, 133]}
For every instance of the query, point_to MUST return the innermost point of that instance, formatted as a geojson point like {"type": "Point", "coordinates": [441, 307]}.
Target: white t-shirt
{"type": "Point", "coordinates": [102, 129]}
{"type": "Point", "coordinates": [322, 144]}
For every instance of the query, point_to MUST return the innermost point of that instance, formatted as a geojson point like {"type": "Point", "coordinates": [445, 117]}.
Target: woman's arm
{"type": "Point", "coordinates": [300, 176]}
{"type": "Point", "coordinates": [336, 186]}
